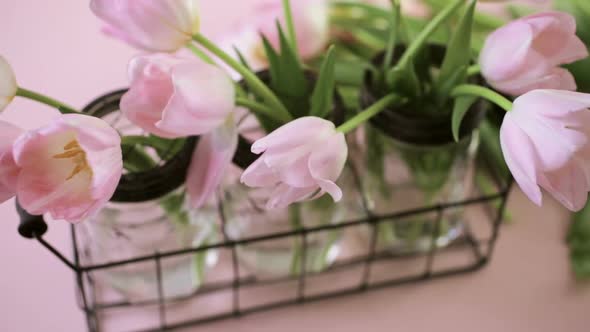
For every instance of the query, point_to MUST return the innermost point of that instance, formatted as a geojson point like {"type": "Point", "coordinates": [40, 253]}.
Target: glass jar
{"type": "Point", "coordinates": [410, 161]}
{"type": "Point", "coordinates": [408, 177]}
{"type": "Point", "coordinates": [246, 218]}
{"type": "Point", "coordinates": [124, 231]}
{"type": "Point", "coordinates": [148, 214]}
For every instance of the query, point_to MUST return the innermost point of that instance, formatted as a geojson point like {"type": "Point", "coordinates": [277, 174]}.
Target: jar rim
{"type": "Point", "coordinates": [417, 128]}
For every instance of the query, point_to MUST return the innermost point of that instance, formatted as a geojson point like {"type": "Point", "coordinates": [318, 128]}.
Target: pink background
{"type": "Point", "coordinates": [55, 47]}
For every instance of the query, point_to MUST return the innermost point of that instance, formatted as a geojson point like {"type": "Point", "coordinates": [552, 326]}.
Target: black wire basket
{"type": "Point", "coordinates": [238, 293]}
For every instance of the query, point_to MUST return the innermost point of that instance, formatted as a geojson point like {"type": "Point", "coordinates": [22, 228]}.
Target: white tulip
{"type": "Point", "coordinates": [8, 85]}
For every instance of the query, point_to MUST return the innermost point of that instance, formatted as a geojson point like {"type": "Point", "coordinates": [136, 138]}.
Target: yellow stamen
{"type": "Point", "coordinates": [73, 144]}
{"type": "Point", "coordinates": [79, 168]}
{"type": "Point", "coordinates": [73, 151]}
{"type": "Point", "coordinates": [68, 154]}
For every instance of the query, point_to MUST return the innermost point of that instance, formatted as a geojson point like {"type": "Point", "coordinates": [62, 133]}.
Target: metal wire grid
{"type": "Point", "coordinates": [482, 250]}
{"type": "Point", "coordinates": [88, 288]}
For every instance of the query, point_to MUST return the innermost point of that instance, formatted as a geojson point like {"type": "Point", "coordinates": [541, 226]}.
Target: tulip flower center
{"type": "Point", "coordinates": [259, 54]}
{"type": "Point", "coordinates": [74, 153]}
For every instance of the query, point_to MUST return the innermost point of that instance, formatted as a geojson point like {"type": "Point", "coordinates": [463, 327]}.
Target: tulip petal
{"type": "Point", "coordinates": [557, 123]}
{"type": "Point", "coordinates": [552, 103]}
{"type": "Point", "coordinates": [9, 172]}
{"type": "Point", "coordinates": [148, 95]}
{"type": "Point", "coordinates": [8, 134]}
{"type": "Point", "coordinates": [520, 158]}
{"type": "Point", "coordinates": [164, 25]}
{"type": "Point", "coordinates": [554, 146]}
{"type": "Point", "coordinates": [294, 134]}
{"type": "Point", "coordinates": [556, 78]}
{"type": "Point", "coordinates": [498, 63]}
{"type": "Point", "coordinates": [8, 168]}
{"type": "Point", "coordinates": [285, 195]}
{"type": "Point", "coordinates": [574, 50]}
{"type": "Point", "coordinates": [211, 159]}
{"type": "Point", "coordinates": [297, 174]}
{"type": "Point", "coordinates": [568, 185]}
{"type": "Point", "coordinates": [555, 37]}
{"type": "Point", "coordinates": [327, 162]}
{"type": "Point", "coordinates": [192, 113]}
{"type": "Point", "coordinates": [310, 19]}
{"type": "Point", "coordinates": [259, 175]}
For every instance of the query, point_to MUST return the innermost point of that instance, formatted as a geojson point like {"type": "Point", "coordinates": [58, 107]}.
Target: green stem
{"type": "Point", "coordinates": [261, 109]}
{"type": "Point", "coordinates": [488, 21]}
{"type": "Point", "coordinates": [427, 32]}
{"type": "Point", "coordinates": [367, 114]}
{"type": "Point", "coordinates": [63, 108]}
{"type": "Point", "coordinates": [199, 53]}
{"type": "Point", "coordinates": [295, 220]}
{"type": "Point", "coordinates": [393, 30]}
{"type": "Point", "coordinates": [478, 91]}
{"type": "Point", "coordinates": [367, 39]}
{"type": "Point", "coordinates": [474, 70]}
{"type": "Point", "coordinates": [290, 25]}
{"type": "Point", "coordinates": [257, 86]}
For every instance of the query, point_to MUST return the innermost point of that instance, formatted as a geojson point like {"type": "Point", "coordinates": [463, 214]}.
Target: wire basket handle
{"type": "Point", "coordinates": [30, 226]}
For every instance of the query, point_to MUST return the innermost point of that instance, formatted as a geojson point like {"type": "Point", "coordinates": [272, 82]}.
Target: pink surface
{"type": "Point", "coordinates": [55, 47]}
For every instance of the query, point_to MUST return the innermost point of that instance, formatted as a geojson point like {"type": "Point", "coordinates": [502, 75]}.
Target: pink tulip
{"type": "Point", "coordinates": [211, 159]}
{"type": "Point", "coordinates": [311, 21]}
{"type": "Point", "coordinates": [546, 143]}
{"type": "Point", "coordinates": [525, 54]}
{"type": "Point", "coordinates": [175, 97]}
{"type": "Point", "coordinates": [310, 18]}
{"type": "Point", "coordinates": [301, 160]}
{"type": "Point", "coordinates": [8, 168]}
{"type": "Point", "coordinates": [157, 26]}
{"type": "Point", "coordinates": [8, 86]}
{"type": "Point", "coordinates": [69, 168]}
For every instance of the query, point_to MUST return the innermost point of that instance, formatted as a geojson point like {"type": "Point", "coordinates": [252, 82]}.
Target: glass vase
{"type": "Point", "coordinates": [124, 231]}
{"type": "Point", "coordinates": [401, 176]}
{"type": "Point", "coordinates": [411, 161]}
{"type": "Point", "coordinates": [148, 214]}
{"type": "Point", "coordinates": [246, 218]}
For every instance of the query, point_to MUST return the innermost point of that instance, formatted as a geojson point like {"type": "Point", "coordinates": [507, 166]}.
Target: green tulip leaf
{"type": "Point", "coordinates": [323, 94]}
{"type": "Point", "coordinates": [458, 53]}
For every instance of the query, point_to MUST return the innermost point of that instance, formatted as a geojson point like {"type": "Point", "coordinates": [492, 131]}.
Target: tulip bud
{"type": "Point", "coordinates": [8, 86]}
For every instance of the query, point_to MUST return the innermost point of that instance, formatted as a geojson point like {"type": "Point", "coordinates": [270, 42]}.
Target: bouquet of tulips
{"type": "Point", "coordinates": [310, 92]}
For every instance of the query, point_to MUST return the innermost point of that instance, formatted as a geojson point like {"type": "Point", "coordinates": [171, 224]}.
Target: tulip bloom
{"type": "Point", "coordinates": [301, 161]}
{"type": "Point", "coordinates": [156, 26]}
{"type": "Point", "coordinates": [8, 168]}
{"type": "Point", "coordinates": [174, 97]}
{"type": "Point", "coordinates": [526, 54]}
{"type": "Point", "coordinates": [211, 159]}
{"type": "Point", "coordinates": [310, 19]}
{"type": "Point", "coordinates": [546, 144]}
{"type": "Point", "coordinates": [8, 86]}
{"type": "Point", "coordinates": [69, 168]}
